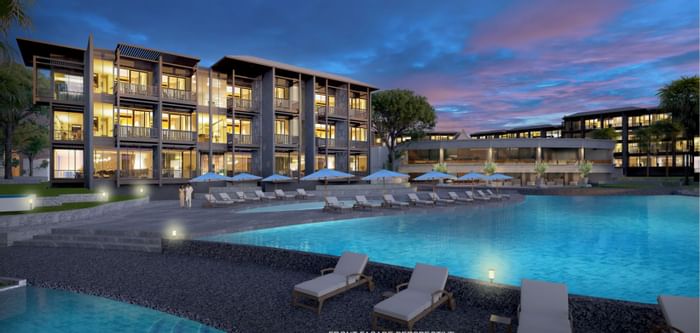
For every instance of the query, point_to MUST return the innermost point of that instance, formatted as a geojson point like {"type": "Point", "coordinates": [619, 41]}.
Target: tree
{"type": "Point", "coordinates": [607, 133]}
{"type": "Point", "coordinates": [11, 12]}
{"type": "Point", "coordinates": [584, 168]}
{"type": "Point", "coordinates": [397, 113]}
{"type": "Point", "coordinates": [645, 137]}
{"type": "Point", "coordinates": [540, 170]}
{"type": "Point", "coordinates": [680, 98]}
{"type": "Point", "coordinates": [30, 139]}
{"type": "Point", "coordinates": [668, 131]}
{"type": "Point", "coordinates": [15, 105]}
{"type": "Point", "coordinates": [489, 168]}
{"type": "Point", "coordinates": [440, 167]}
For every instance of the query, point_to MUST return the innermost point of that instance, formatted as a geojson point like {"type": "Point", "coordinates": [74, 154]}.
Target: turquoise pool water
{"type": "Point", "coordinates": [311, 205]}
{"type": "Point", "coordinates": [47, 311]}
{"type": "Point", "coordinates": [622, 247]}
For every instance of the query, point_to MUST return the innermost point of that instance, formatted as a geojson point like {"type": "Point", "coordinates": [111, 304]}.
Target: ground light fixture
{"type": "Point", "coordinates": [104, 195]}
{"type": "Point", "coordinates": [174, 233]}
{"type": "Point", "coordinates": [31, 203]}
{"type": "Point", "coordinates": [492, 274]}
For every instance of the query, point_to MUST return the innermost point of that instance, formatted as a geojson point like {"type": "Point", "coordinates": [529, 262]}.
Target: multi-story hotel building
{"type": "Point", "coordinates": [136, 115]}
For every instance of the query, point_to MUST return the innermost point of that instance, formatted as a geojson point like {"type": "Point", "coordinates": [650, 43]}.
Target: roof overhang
{"type": "Point", "coordinates": [29, 48]}
{"type": "Point", "coordinates": [143, 53]}
{"type": "Point", "coordinates": [511, 143]}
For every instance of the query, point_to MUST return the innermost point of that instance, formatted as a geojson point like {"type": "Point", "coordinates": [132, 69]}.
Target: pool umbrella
{"type": "Point", "coordinates": [245, 177]}
{"type": "Point", "coordinates": [434, 175]}
{"type": "Point", "coordinates": [472, 176]}
{"type": "Point", "coordinates": [275, 178]}
{"type": "Point", "coordinates": [327, 174]}
{"type": "Point", "coordinates": [384, 175]}
{"type": "Point", "coordinates": [210, 177]}
{"type": "Point", "coordinates": [498, 177]}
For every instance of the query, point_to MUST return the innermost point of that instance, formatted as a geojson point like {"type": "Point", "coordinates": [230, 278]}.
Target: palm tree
{"type": "Point", "coordinates": [645, 136]}
{"type": "Point", "coordinates": [11, 12]}
{"type": "Point", "coordinates": [667, 131]}
{"type": "Point", "coordinates": [607, 133]}
{"type": "Point", "coordinates": [680, 98]}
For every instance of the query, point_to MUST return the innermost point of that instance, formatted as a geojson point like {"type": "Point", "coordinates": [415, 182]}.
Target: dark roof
{"type": "Point", "coordinates": [519, 129]}
{"type": "Point", "coordinates": [30, 48]}
{"type": "Point", "coordinates": [227, 62]}
{"type": "Point", "coordinates": [139, 52]}
{"type": "Point", "coordinates": [609, 111]}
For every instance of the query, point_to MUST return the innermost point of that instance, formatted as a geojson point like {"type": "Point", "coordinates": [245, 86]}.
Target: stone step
{"type": "Point", "coordinates": [91, 245]}
{"type": "Point", "coordinates": [99, 232]}
{"type": "Point", "coordinates": [100, 239]}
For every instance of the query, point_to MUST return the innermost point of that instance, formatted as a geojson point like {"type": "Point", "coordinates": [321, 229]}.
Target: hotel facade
{"type": "Point", "coordinates": [133, 115]}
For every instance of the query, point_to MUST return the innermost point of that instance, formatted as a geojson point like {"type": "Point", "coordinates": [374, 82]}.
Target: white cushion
{"type": "Point", "coordinates": [681, 312]}
{"type": "Point", "coordinates": [542, 323]}
{"type": "Point", "coordinates": [322, 285]}
{"type": "Point", "coordinates": [428, 279]}
{"type": "Point", "coordinates": [546, 298]}
{"type": "Point", "coordinates": [405, 305]}
{"type": "Point", "coordinates": [351, 263]}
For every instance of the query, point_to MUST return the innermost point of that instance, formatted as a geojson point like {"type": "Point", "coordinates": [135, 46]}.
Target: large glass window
{"type": "Point", "coordinates": [358, 134]}
{"type": "Point", "coordinates": [177, 121]}
{"type": "Point", "coordinates": [217, 161]}
{"type": "Point", "coordinates": [243, 162]}
{"type": "Point", "coordinates": [323, 129]}
{"type": "Point", "coordinates": [68, 87]}
{"type": "Point", "coordinates": [514, 155]}
{"type": "Point", "coordinates": [203, 127]}
{"type": "Point", "coordinates": [68, 163]}
{"type": "Point", "coordinates": [105, 161]}
{"type": "Point", "coordinates": [358, 104]}
{"type": "Point", "coordinates": [67, 126]}
{"type": "Point", "coordinates": [133, 76]}
{"type": "Point", "coordinates": [282, 126]}
{"type": "Point", "coordinates": [321, 161]}
{"type": "Point", "coordinates": [135, 118]}
{"type": "Point", "coordinates": [642, 120]}
{"type": "Point", "coordinates": [358, 163]}
{"type": "Point", "coordinates": [612, 122]}
{"type": "Point", "coordinates": [103, 79]}
{"type": "Point", "coordinates": [103, 119]}
{"type": "Point", "coordinates": [281, 93]}
{"type": "Point", "coordinates": [286, 163]}
{"type": "Point", "coordinates": [467, 155]}
{"type": "Point", "coordinates": [592, 123]}
{"type": "Point", "coordinates": [219, 128]}
{"type": "Point", "coordinates": [560, 155]}
{"type": "Point", "coordinates": [218, 92]}
{"type": "Point", "coordinates": [136, 163]}
{"type": "Point", "coordinates": [178, 163]}
{"type": "Point", "coordinates": [423, 156]}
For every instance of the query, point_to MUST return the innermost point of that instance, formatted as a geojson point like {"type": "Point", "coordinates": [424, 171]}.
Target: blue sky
{"type": "Point", "coordinates": [483, 65]}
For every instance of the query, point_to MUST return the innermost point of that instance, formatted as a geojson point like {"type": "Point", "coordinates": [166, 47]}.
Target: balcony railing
{"type": "Point", "coordinates": [176, 173]}
{"type": "Point", "coordinates": [68, 174]}
{"type": "Point", "coordinates": [239, 104]}
{"type": "Point", "coordinates": [331, 110]}
{"type": "Point", "coordinates": [127, 88]}
{"type": "Point", "coordinates": [358, 144]}
{"type": "Point", "coordinates": [136, 174]}
{"type": "Point", "coordinates": [60, 95]}
{"type": "Point", "coordinates": [135, 132]}
{"type": "Point", "coordinates": [177, 135]}
{"type": "Point", "coordinates": [241, 139]}
{"type": "Point", "coordinates": [285, 104]}
{"type": "Point", "coordinates": [358, 113]}
{"type": "Point", "coordinates": [285, 139]}
{"type": "Point", "coordinates": [177, 94]}
{"type": "Point", "coordinates": [321, 142]}
{"type": "Point", "coordinates": [68, 135]}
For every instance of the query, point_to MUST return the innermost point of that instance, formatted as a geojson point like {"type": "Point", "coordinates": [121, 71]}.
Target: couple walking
{"type": "Point", "coordinates": [185, 192]}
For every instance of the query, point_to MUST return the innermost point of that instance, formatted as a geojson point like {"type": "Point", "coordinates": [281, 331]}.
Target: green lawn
{"type": "Point", "coordinates": [73, 205]}
{"type": "Point", "coordinates": [41, 189]}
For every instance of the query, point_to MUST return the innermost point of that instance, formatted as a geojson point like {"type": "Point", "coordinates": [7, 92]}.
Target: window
{"type": "Point", "coordinates": [241, 127]}
{"type": "Point", "coordinates": [68, 87]}
{"type": "Point", "coordinates": [105, 161]}
{"type": "Point", "coordinates": [612, 122]}
{"type": "Point", "coordinates": [660, 116]}
{"type": "Point", "coordinates": [243, 163]}
{"type": "Point", "coordinates": [245, 93]}
{"type": "Point", "coordinates": [174, 82]}
{"type": "Point", "coordinates": [592, 123]}
{"type": "Point", "coordinates": [67, 126]}
{"type": "Point", "coordinates": [218, 92]}
{"type": "Point", "coordinates": [133, 76]}
{"type": "Point", "coordinates": [136, 163]}
{"type": "Point", "coordinates": [218, 128]}
{"type": "Point", "coordinates": [514, 155]}
{"type": "Point", "coordinates": [358, 163]}
{"type": "Point", "coordinates": [103, 119]}
{"type": "Point", "coordinates": [358, 104]}
{"type": "Point", "coordinates": [68, 163]}
{"type": "Point", "coordinates": [554, 134]}
{"type": "Point", "coordinates": [617, 162]}
{"type": "Point", "coordinates": [536, 134]}
{"type": "Point", "coordinates": [103, 77]}
{"type": "Point", "coordinates": [135, 118]}
{"type": "Point", "coordinates": [281, 126]}
{"type": "Point", "coordinates": [281, 92]}
{"type": "Point", "coordinates": [178, 163]}
{"type": "Point", "coordinates": [177, 121]}
{"type": "Point", "coordinates": [358, 134]}
{"type": "Point", "coordinates": [203, 127]}
{"type": "Point", "coordinates": [217, 161]}
{"type": "Point", "coordinates": [424, 156]}
{"type": "Point", "coordinates": [642, 120]}
{"type": "Point", "coordinates": [286, 163]}
{"type": "Point", "coordinates": [467, 155]}
{"type": "Point", "coordinates": [323, 129]}
{"type": "Point", "coordinates": [321, 162]}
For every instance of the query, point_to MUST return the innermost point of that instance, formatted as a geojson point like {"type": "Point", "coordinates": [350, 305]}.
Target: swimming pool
{"type": "Point", "coordinates": [48, 310]}
{"type": "Point", "coordinates": [622, 247]}
{"type": "Point", "coordinates": [311, 205]}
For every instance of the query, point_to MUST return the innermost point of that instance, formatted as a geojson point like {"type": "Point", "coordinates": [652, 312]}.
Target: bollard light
{"type": "Point", "coordinates": [174, 233]}
{"type": "Point", "coordinates": [31, 203]}
{"type": "Point", "coordinates": [492, 274]}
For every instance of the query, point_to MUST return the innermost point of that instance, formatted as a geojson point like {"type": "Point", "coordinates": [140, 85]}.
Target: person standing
{"type": "Point", "coordinates": [181, 192]}
{"type": "Point", "coordinates": [188, 195]}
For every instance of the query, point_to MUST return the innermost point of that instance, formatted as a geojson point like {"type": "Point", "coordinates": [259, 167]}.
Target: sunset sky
{"type": "Point", "coordinates": [483, 65]}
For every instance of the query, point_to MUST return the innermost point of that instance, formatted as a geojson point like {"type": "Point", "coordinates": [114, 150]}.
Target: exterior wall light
{"type": "Point", "coordinates": [492, 274]}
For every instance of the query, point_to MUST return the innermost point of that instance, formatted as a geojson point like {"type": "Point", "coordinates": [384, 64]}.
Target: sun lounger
{"type": "Point", "coordinates": [456, 197]}
{"type": "Point", "coordinates": [262, 195]}
{"type": "Point", "coordinates": [544, 307]}
{"type": "Point", "coordinates": [243, 196]}
{"type": "Point", "coordinates": [415, 200]}
{"type": "Point", "coordinates": [471, 195]}
{"type": "Point", "coordinates": [361, 203]}
{"type": "Point", "coordinates": [390, 202]}
{"type": "Point", "coordinates": [333, 205]}
{"type": "Point", "coordinates": [437, 199]}
{"type": "Point", "coordinates": [226, 197]}
{"type": "Point", "coordinates": [284, 196]}
{"type": "Point", "coordinates": [347, 274]}
{"type": "Point", "coordinates": [424, 292]}
{"type": "Point", "coordinates": [301, 193]}
{"type": "Point", "coordinates": [211, 201]}
{"type": "Point", "coordinates": [680, 313]}
{"type": "Point", "coordinates": [501, 196]}
{"type": "Point", "coordinates": [481, 193]}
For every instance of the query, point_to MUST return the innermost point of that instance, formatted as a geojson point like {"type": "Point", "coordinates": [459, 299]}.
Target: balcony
{"type": "Point", "coordinates": [358, 144]}
{"type": "Point", "coordinates": [178, 95]}
{"type": "Point", "coordinates": [135, 132]}
{"type": "Point", "coordinates": [177, 135]}
{"type": "Point", "coordinates": [176, 173]}
{"type": "Point", "coordinates": [285, 139]}
{"type": "Point", "coordinates": [126, 88]}
{"type": "Point", "coordinates": [240, 104]}
{"type": "Point", "coordinates": [332, 143]}
{"type": "Point", "coordinates": [241, 139]}
{"type": "Point", "coordinates": [331, 110]}
{"type": "Point", "coordinates": [60, 95]}
{"type": "Point", "coordinates": [136, 173]}
{"type": "Point", "coordinates": [358, 114]}
{"type": "Point", "coordinates": [286, 105]}
{"type": "Point", "coordinates": [75, 134]}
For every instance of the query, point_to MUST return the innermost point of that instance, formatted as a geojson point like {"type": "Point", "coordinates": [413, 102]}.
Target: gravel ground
{"type": "Point", "coordinates": [240, 297]}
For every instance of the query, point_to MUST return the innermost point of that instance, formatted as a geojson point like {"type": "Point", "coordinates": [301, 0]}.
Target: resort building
{"type": "Point", "coordinates": [628, 155]}
{"type": "Point", "coordinates": [514, 157]}
{"type": "Point", "coordinates": [136, 115]}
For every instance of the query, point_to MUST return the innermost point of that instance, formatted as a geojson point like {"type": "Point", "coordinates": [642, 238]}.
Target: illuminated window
{"type": "Point", "coordinates": [358, 104]}
{"type": "Point", "coordinates": [592, 123]}
{"type": "Point", "coordinates": [358, 134]}
{"type": "Point", "coordinates": [67, 163]}
{"type": "Point", "coordinates": [135, 118]}
{"type": "Point", "coordinates": [105, 163]}
{"type": "Point", "coordinates": [103, 119]}
{"type": "Point", "coordinates": [173, 82]}
{"type": "Point", "coordinates": [243, 93]}
{"type": "Point", "coordinates": [358, 163]}
{"type": "Point", "coordinates": [322, 129]}
{"type": "Point", "coordinates": [321, 161]}
{"type": "Point", "coordinates": [67, 126]}
{"type": "Point", "coordinates": [103, 77]}
{"type": "Point", "coordinates": [177, 121]}
{"type": "Point", "coordinates": [281, 92]}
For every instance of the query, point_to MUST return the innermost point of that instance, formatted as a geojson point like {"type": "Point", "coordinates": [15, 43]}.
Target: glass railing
{"type": "Point", "coordinates": [358, 144]}
{"type": "Point", "coordinates": [239, 104]}
{"type": "Point", "coordinates": [176, 173]}
{"type": "Point", "coordinates": [68, 174]}
{"type": "Point", "coordinates": [358, 113]}
{"type": "Point", "coordinates": [60, 95]}
{"type": "Point", "coordinates": [127, 88]}
{"type": "Point", "coordinates": [331, 110]}
{"type": "Point", "coordinates": [177, 94]}
{"type": "Point", "coordinates": [136, 173]}
{"type": "Point", "coordinates": [135, 132]}
{"type": "Point", "coordinates": [286, 104]}
{"type": "Point", "coordinates": [177, 135]}
{"type": "Point", "coordinates": [68, 135]}
{"type": "Point", "coordinates": [240, 139]}
{"type": "Point", "coordinates": [285, 139]}
{"type": "Point", "coordinates": [323, 142]}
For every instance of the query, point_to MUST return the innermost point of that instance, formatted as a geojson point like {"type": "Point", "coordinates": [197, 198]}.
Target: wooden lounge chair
{"type": "Point", "coordinates": [457, 198]}
{"type": "Point", "coordinates": [333, 205]}
{"type": "Point", "coordinates": [361, 203]}
{"type": "Point", "coordinates": [424, 292]}
{"type": "Point", "coordinates": [471, 195]}
{"type": "Point", "coordinates": [437, 199]}
{"type": "Point", "coordinates": [415, 200]}
{"type": "Point", "coordinates": [301, 193]}
{"type": "Point", "coordinates": [263, 196]}
{"type": "Point", "coordinates": [347, 274]}
{"type": "Point", "coordinates": [544, 307]}
{"type": "Point", "coordinates": [680, 313]}
{"type": "Point", "coordinates": [481, 193]}
{"type": "Point", "coordinates": [390, 202]}
{"type": "Point", "coordinates": [502, 195]}
{"type": "Point", "coordinates": [225, 197]}
{"type": "Point", "coordinates": [211, 201]}
{"type": "Point", "coordinates": [243, 196]}
{"type": "Point", "coordinates": [284, 196]}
